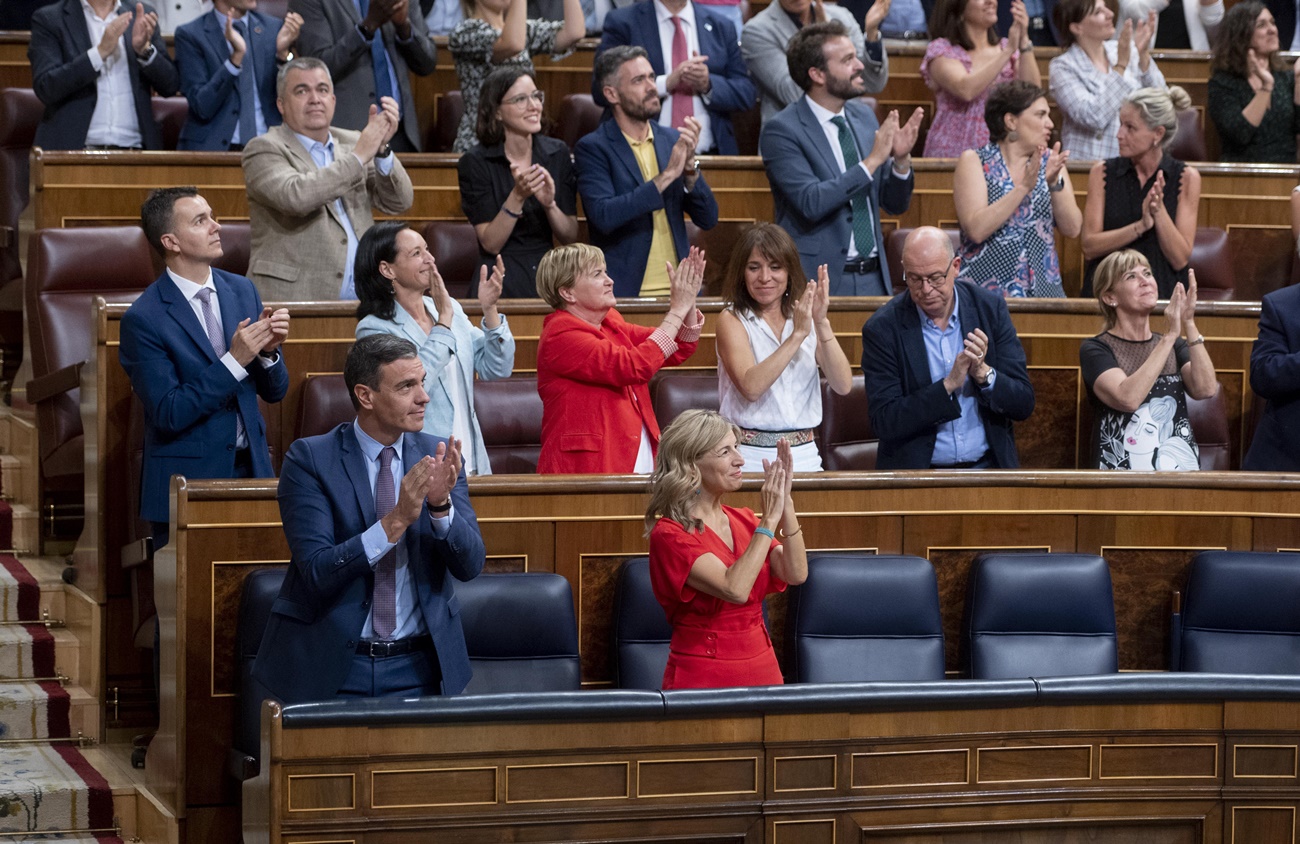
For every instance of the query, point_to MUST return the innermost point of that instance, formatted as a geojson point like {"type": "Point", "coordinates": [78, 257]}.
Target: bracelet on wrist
{"type": "Point", "coordinates": [785, 535]}
{"type": "Point", "coordinates": [510, 213]}
{"type": "Point", "coordinates": [1028, 49]}
{"type": "Point", "coordinates": [1199, 341]}
{"type": "Point", "coordinates": [440, 508]}
{"type": "Point", "coordinates": [764, 531]}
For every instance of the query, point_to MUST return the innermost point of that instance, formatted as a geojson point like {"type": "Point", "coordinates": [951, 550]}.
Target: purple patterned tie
{"type": "Point", "coordinates": [385, 613]}
{"type": "Point", "coordinates": [219, 346]}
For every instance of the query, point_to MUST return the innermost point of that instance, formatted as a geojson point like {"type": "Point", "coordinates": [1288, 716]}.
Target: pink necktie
{"type": "Point", "coordinates": [683, 94]}
{"type": "Point", "coordinates": [385, 612]}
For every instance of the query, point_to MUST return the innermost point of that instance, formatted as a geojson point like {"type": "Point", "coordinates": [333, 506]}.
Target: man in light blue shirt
{"type": "Point", "coordinates": [311, 187]}
{"type": "Point", "coordinates": [944, 371]}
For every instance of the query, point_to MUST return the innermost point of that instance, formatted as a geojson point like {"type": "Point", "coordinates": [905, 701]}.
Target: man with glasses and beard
{"type": "Point", "coordinates": [943, 368]}
{"type": "Point", "coordinates": [637, 179]}
{"type": "Point", "coordinates": [833, 167]}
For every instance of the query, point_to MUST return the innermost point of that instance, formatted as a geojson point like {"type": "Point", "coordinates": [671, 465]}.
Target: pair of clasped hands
{"type": "Point", "coordinates": [431, 480]}
{"type": "Point", "coordinates": [261, 337]}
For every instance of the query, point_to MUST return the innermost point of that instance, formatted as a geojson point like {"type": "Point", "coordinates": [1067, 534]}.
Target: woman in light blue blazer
{"type": "Point", "coordinates": [402, 293]}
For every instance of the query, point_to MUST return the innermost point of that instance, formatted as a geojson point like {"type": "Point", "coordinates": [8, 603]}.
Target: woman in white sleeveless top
{"type": "Point", "coordinates": [772, 338]}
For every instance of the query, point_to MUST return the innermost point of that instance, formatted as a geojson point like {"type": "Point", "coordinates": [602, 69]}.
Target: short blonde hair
{"type": "Point", "coordinates": [675, 483]}
{"type": "Point", "coordinates": [561, 267]}
{"type": "Point", "coordinates": [1112, 268]}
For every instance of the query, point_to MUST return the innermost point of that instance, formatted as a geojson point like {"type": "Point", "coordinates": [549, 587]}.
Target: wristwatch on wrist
{"type": "Point", "coordinates": [149, 51]}
{"type": "Point", "coordinates": [1059, 186]}
{"type": "Point", "coordinates": [693, 167]}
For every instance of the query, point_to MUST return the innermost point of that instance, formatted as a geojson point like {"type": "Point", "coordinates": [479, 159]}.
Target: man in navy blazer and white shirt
{"type": "Point", "coordinates": [379, 525]}
{"type": "Point", "coordinates": [699, 71]}
{"type": "Point", "coordinates": [637, 178]}
{"type": "Point", "coordinates": [200, 349]}
{"type": "Point", "coordinates": [228, 60]}
{"type": "Point", "coordinates": [833, 168]}
{"type": "Point", "coordinates": [93, 65]}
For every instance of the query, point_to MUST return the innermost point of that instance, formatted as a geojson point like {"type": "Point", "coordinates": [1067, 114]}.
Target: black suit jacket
{"type": "Point", "coordinates": [906, 406]}
{"type": "Point", "coordinates": [65, 80]}
{"type": "Point", "coordinates": [1284, 16]}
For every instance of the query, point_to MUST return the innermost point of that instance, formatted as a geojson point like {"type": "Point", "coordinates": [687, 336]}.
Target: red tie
{"type": "Point", "coordinates": [683, 95]}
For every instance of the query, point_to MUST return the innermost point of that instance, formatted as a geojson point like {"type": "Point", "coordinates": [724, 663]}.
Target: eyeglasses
{"type": "Point", "coordinates": [538, 97]}
{"type": "Point", "coordinates": [918, 282]}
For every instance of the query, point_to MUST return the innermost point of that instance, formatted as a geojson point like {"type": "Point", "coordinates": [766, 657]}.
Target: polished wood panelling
{"type": "Point", "coordinates": [1146, 526]}
{"type": "Point", "coordinates": [1121, 771]}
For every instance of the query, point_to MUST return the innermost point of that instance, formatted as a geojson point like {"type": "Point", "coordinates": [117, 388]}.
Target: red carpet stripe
{"type": "Point", "coordinates": [58, 706]}
{"type": "Point", "coordinates": [42, 650]}
{"type": "Point", "coordinates": [29, 592]}
{"type": "Point", "coordinates": [100, 798]}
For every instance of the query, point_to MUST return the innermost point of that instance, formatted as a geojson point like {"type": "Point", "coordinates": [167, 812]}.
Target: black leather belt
{"type": "Point", "coordinates": [862, 266]}
{"type": "Point", "coordinates": [109, 148]}
{"type": "Point", "coordinates": [397, 647]}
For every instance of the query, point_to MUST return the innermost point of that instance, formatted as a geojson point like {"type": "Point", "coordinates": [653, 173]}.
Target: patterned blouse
{"type": "Point", "coordinates": [957, 125]}
{"type": "Point", "coordinates": [1018, 259]}
{"type": "Point", "coordinates": [471, 45]}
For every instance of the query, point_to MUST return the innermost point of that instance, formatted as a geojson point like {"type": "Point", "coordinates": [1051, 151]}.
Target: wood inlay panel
{"type": "Point", "coordinates": [1158, 761]}
{"type": "Point", "coordinates": [804, 832]}
{"type": "Point", "coordinates": [803, 773]}
{"type": "Point", "coordinates": [682, 777]}
{"type": "Point", "coordinates": [1143, 581]}
{"type": "Point", "coordinates": [577, 782]}
{"type": "Point", "coordinates": [433, 787]}
{"type": "Point", "coordinates": [1265, 761]}
{"type": "Point", "coordinates": [1033, 764]}
{"type": "Point", "coordinates": [227, 585]}
{"type": "Point", "coordinates": [1263, 825]}
{"type": "Point", "coordinates": [1050, 440]}
{"type": "Point", "coordinates": [321, 792]}
{"type": "Point", "coordinates": [910, 768]}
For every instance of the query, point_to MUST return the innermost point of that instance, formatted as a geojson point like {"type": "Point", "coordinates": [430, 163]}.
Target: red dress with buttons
{"type": "Point", "coordinates": [715, 643]}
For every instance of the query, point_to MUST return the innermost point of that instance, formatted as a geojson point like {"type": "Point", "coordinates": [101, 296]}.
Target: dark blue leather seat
{"type": "Point", "coordinates": [521, 633]}
{"type": "Point", "coordinates": [865, 618]}
{"type": "Point", "coordinates": [1240, 614]}
{"type": "Point", "coordinates": [641, 629]}
{"type": "Point", "coordinates": [1039, 615]}
{"type": "Point", "coordinates": [261, 588]}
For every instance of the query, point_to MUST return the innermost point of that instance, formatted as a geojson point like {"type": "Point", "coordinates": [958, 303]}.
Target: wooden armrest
{"type": "Point", "coordinates": [138, 552]}
{"type": "Point", "coordinates": [55, 383]}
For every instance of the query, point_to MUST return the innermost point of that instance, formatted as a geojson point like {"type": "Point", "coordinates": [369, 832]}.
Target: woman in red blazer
{"type": "Point", "coordinates": [594, 369]}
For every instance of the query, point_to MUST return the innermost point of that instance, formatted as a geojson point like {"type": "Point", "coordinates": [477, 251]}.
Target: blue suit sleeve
{"type": "Point", "coordinates": [895, 413]}
{"type": "Point", "coordinates": [1274, 359]}
{"type": "Point", "coordinates": [699, 202]}
{"type": "Point", "coordinates": [207, 89]}
{"type": "Point", "coordinates": [606, 209]}
{"type": "Point", "coordinates": [461, 551]}
{"type": "Point", "coordinates": [786, 159]}
{"type": "Point", "coordinates": [895, 194]}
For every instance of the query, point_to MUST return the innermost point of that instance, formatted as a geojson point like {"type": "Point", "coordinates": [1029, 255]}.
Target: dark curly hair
{"type": "Point", "coordinates": [1235, 34]}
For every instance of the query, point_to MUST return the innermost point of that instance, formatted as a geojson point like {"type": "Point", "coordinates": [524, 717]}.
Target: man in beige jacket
{"type": "Point", "coordinates": [311, 187]}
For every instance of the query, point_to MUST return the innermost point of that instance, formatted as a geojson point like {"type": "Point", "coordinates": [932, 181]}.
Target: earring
{"type": "Point", "coordinates": [1013, 136]}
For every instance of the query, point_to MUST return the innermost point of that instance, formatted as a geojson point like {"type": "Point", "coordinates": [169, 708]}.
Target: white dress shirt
{"type": "Point", "coordinates": [666, 33]}
{"type": "Point", "coordinates": [114, 121]}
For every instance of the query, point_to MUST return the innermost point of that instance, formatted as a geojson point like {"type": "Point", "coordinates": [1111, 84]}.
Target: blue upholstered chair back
{"type": "Point", "coordinates": [521, 632]}
{"type": "Point", "coordinates": [641, 629]}
{"type": "Point", "coordinates": [865, 618]}
{"type": "Point", "coordinates": [1039, 615]}
{"type": "Point", "coordinates": [261, 588]}
{"type": "Point", "coordinates": [1240, 614]}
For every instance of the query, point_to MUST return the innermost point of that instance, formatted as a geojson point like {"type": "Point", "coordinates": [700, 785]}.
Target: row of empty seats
{"type": "Point", "coordinates": [864, 618]}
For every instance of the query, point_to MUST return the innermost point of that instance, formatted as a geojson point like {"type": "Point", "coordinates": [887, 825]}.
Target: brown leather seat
{"type": "Point", "coordinates": [672, 392]}
{"type": "Point", "coordinates": [20, 112]}
{"type": "Point", "coordinates": [894, 253]}
{"type": "Point", "coordinates": [845, 438]}
{"type": "Point", "coordinates": [236, 242]}
{"type": "Point", "coordinates": [66, 270]}
{"type": "Point", "coordinates": [1216, 278]}
{"type": "Point", "coordinates": [1209, 418]}
{"type": "Point", "coordinates": [325, 404]}
{"type": "Point", "coordinates": [510, 415]}
{"type": "Point", "coordinates": [170, 113]}
{"type": "Point", "coordinates": [455, 247]}
{"type": "Point", "coordinates": [1189, 143]}
{"type": "Point", "coordinates": [579, 115]}
{"type": "Point", "coordinates": [451, 105]}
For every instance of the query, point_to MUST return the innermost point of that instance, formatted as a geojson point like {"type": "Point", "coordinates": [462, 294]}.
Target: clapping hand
{"type": "Point", "coordinates": [288, 34]}
{"type": "Point", "coordinates": [1124, 46]}
{"type": "Point", "coordinates": [820, 291]}
{"type": "Point", "coordinates": [1033, 167]}
{"type": "Point", "coordinates": [1056, 162]}
{"type": "Point", "coordinates": [1143, 33]}
{"type": "Point", "coordinates": [883, 147]}
{"type": "Point", "coordinates": [143, 28]}
{"type": "Point", "coordinates": [236, 41]}
{"type": "Point", "coordinates": [872, 20]}
{"type": "Point", "coordinates": [776, 484]}
{"type": "Point", "coordinates": [490, 285]}
{"type": "Point", "coordinates": [1189, 299]}
{"type": "Point", "coordinates": [444, 469]}
{"type": "Point", "coordinates": [905, 137]}
{"type": "Point", "coordinates": [1175, 310]}
{"type": "Point", "coordinates": [279, 320]}
{"type": "Point", "coordinates": [1260, 74]}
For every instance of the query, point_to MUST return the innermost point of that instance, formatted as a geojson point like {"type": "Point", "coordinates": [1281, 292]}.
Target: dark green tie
{"type": "Point", "coordinates": [863, 237]}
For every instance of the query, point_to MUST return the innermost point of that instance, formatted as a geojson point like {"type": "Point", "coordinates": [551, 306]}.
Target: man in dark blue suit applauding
{"type": "Point", "coordinates": [378, 519]}
{"type": "Point", "coordinates": [637, 178]}
{"type": "Point", "coordinates": [831, 171]}
{"type": "Point", "coordinates": [200, 349]}
{"type": "Point", "coordinates": [699, 72]}
{"type": "Point", "coordinates": [228, 60]}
